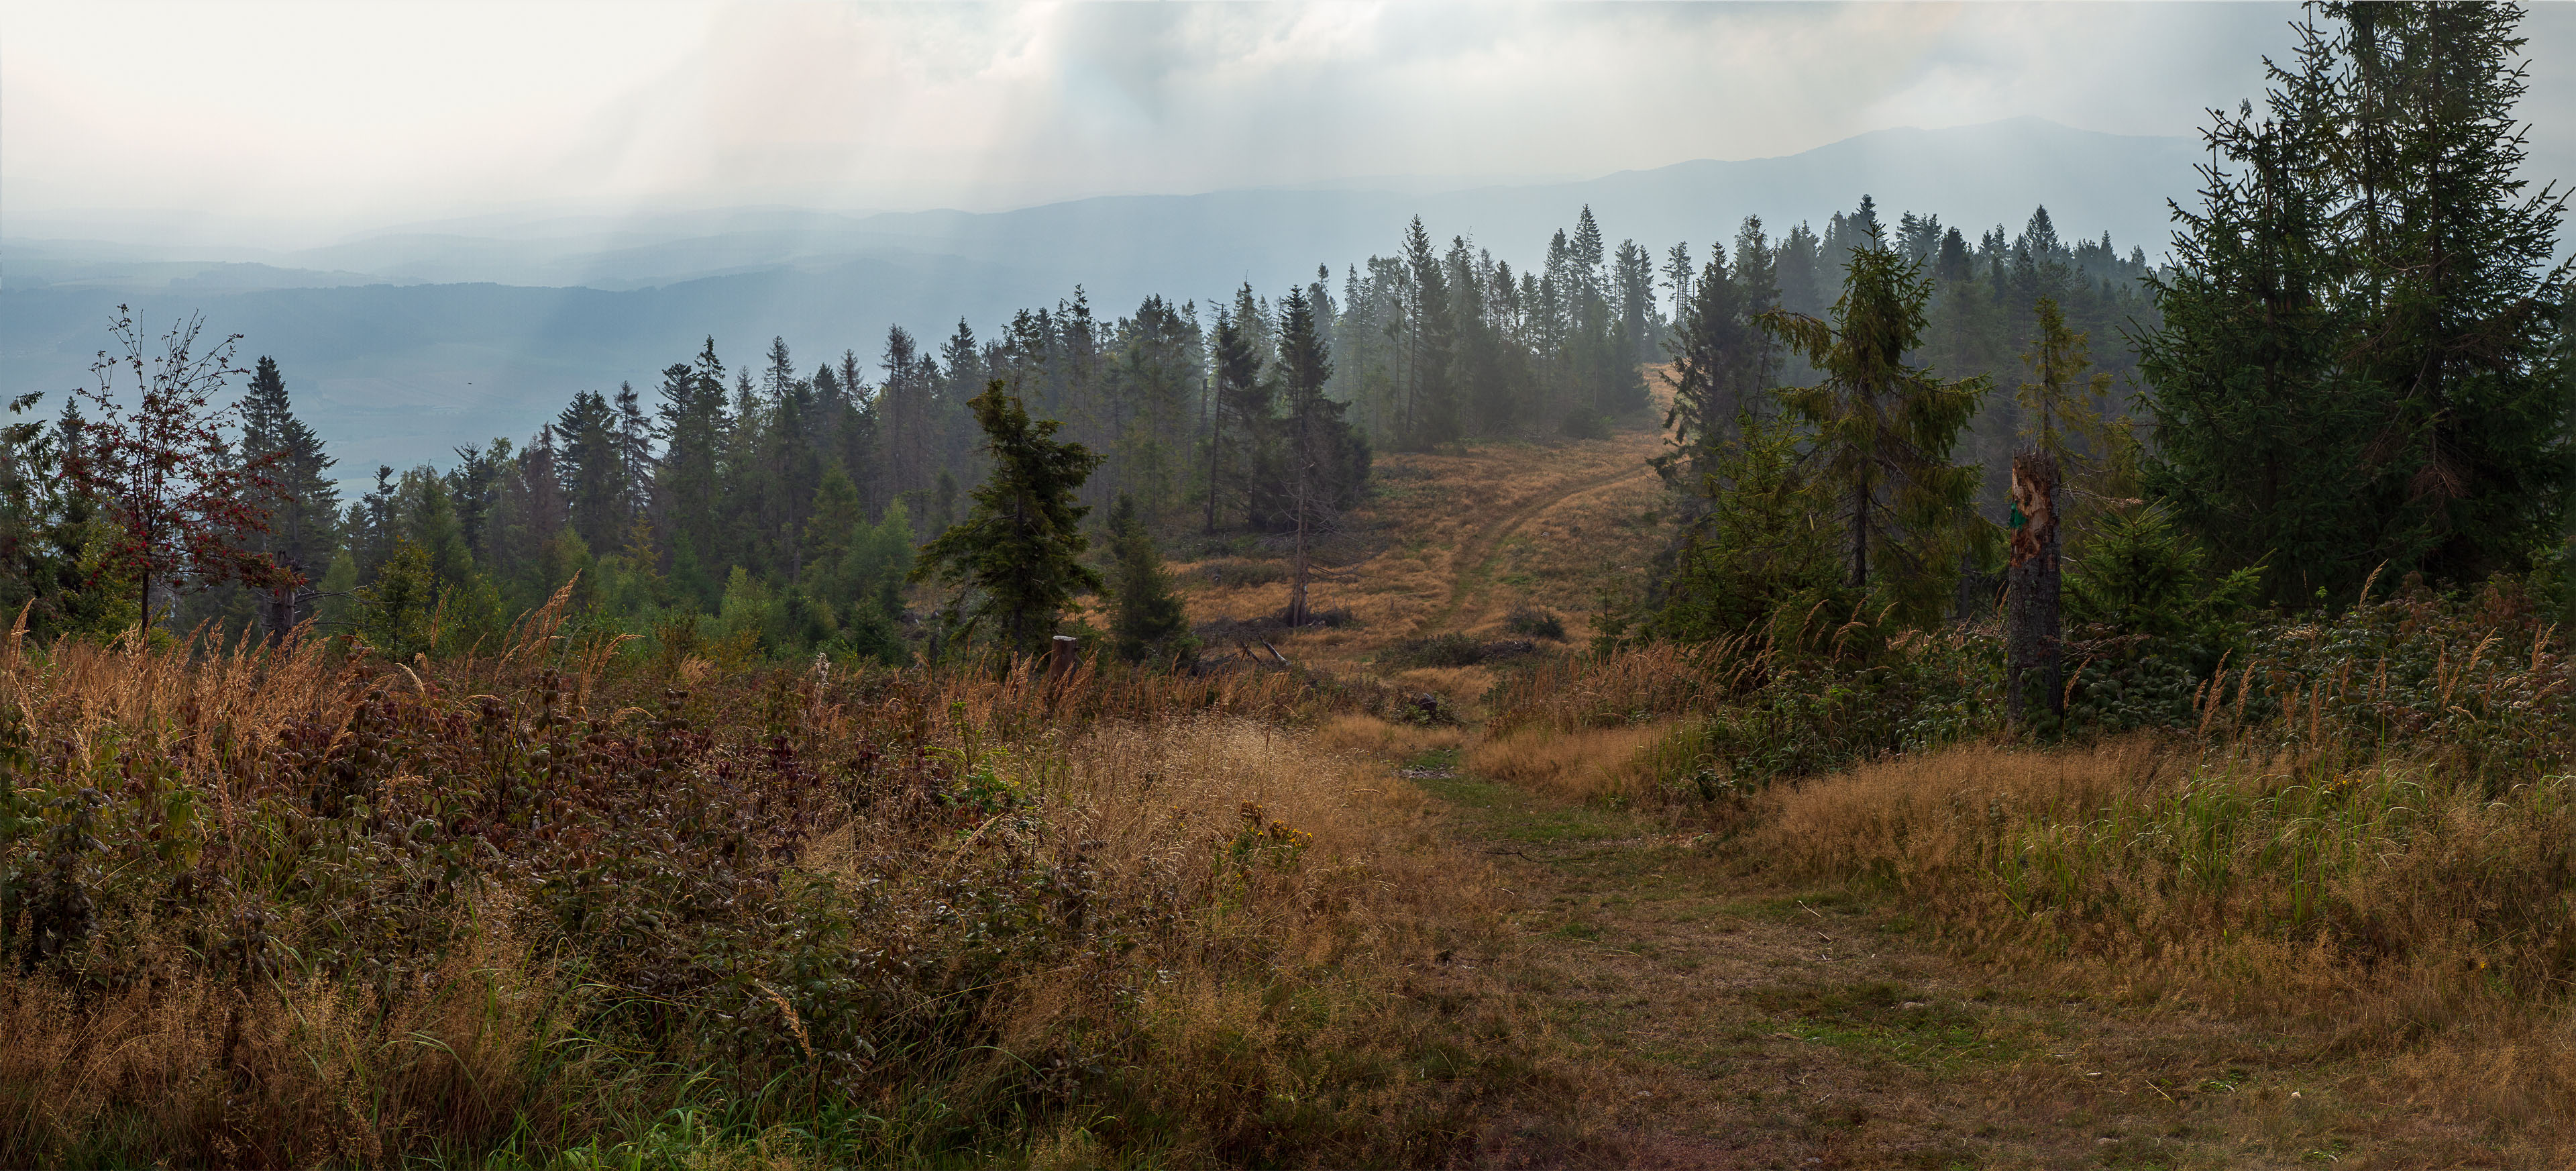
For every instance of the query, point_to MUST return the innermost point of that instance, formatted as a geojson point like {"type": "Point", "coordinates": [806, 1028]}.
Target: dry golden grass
{"type": "Point", "coordinates": [1468, 535]}
{"type": "Point", "coordinates": [1636, 683]}
{"type": "Point", "coordinates": [1366, 736]}
{"type": "Point", "coordinates": [1585, 764]}
{"type": "Point", "coordinates": [2378, 912]}
{"type": "Point", "coordinates": [243, 1074]}
{"type": "Point", "coordinates": [1928, 810]}
{"type": "Point", "coordinates": [1309, 882]}
{"type": "Point", "coordinates": [1254, 868]}
{"type": "Point", "coordinates": [232, 700]}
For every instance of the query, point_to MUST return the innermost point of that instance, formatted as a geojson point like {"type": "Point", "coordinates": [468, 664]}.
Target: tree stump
{"type": "Point", "coordinates": [2032, 637]}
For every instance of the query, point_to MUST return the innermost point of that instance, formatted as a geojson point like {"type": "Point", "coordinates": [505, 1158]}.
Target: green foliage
{"type": "Point", "coordinates": [397, 614]}
{"type": "Point", "coordinates": [1147, 620]}
{"type": "Point", "coordinates": [2553, 582]}
{"type": "Point", "coordinates": [1820, 715]}
{"type": "Point", "coordinates": [1883, 432]}
{"type": "Point", "coordinates": [54, 545]}
{"type": "Point", "coordinates": [2066, 413]}
{"type": "Point", "coordinates": [749, 618]}
{"type": "Point", "coordinates": [1724, 365]}
{"type": "Point", "coordinates": [2124, 692]}
{"type": "Point", "coordinates": [1018, 552]}
{"type": "Point", "coordinates": [2148, 623]}
{"type": "Point", "coordinates": [1440, 650]}
{"type": "Point", "coordinates": [301, 501]}
{"type": "Point", "coordinates": [2358, 364]}
{"type": "Point", "coordinates": [1763, 546]}
{"type": "Point", "coordinates": [2137, 574]}
{"type": "Point", "coordinates": [338, 605]}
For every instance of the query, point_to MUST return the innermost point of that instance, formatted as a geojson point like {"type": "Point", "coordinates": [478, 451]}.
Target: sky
{"type": "Point", "coordinates": [290, 124]}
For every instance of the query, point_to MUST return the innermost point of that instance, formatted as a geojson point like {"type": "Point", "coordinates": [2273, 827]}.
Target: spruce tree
{"type": "Point", "coordinates": [1147, 621]}
{"type": "Point", "coordinates": [2064, 410]}
{"type": "Point", "coordinates": [398, 611]}
{"type": "Point", "coordinates": [1243, 417]}
{"type": "Point", "coordinates": [2357, 365]}
{"type": "Point", "coordinates": [1677, 277]}
{"type": "Point", "coordinates": [1710, 361]}
{"type": "Point", "coordinates": [1760, 546]}
{"type": "Point", "coordinates": [1884, 430]}
{"type": "Point", "coordinates": [1323, 460]}
{"type": "Point", "coordinates": [2258, 425]}
{"type": "Point", "coordinates": [594, 466]}
{"type": "Point", "coordinates": [1018, 553]}
{"type": "Point", "coordinates": [693, 424]}
{"type": "Point", "coordinates": [300, 498]}
{"type": "Point", "coordinates": [1431, 400]}
{"type": "Point", "coordinates": [2453, 296]}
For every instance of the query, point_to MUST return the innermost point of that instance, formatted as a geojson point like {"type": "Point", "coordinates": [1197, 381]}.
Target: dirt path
{"type": "Point", "coordinates": [1471, 564]}
{"type": "Point", "coordinates": [1698, 1018]}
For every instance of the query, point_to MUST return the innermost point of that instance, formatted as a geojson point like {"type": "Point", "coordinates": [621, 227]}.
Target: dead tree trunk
{"type": "Point", "coordinates": [2032, 637]}
{"type": "Point", "coordinates": [1297, 569]}
{"type": "Point", "coordinates": [277, 613]}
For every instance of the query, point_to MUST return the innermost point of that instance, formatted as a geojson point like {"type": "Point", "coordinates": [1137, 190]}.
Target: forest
{"type": "Point", "coordinates": [772, 511]}
{"type": "Point", "coordinates": [1867, 696]}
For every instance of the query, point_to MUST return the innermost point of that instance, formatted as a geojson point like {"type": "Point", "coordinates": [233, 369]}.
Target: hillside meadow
{"type": "Point", "coordinates": [559, 904]}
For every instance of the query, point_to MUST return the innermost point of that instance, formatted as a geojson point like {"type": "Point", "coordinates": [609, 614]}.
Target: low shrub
{"type": "Point", "coordinates": [1443, 650]}
{"type": "Point", "coordinates": [1533, 622]}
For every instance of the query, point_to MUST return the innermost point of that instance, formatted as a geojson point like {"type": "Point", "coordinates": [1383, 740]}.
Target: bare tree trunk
{"type": "Point", "coordinates": [1297, 574]}
{"type": "Point", "coordinates": [1860, 536]}
{"type": "Point", "coordinates": [277, 613]}
{"type": "Point", "coordinates": [1209, 421]}
{"type": "Point", "coordinates": [1301, 500]}
{"type": "Point", "coordinates": [2032, 638]}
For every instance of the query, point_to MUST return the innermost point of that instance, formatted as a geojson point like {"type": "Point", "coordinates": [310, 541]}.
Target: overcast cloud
{"type": "Point", "coordinates": [292, 123]}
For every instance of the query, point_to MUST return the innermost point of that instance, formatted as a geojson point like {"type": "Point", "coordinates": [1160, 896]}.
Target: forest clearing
{"type": "Point", "coordinates": [1854, 698]}
{"type": "Point", "coordinates": [701, 916]}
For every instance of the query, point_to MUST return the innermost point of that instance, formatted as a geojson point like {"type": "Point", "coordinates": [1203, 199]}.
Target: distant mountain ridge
{"type": "Point", "coordinates": [399, 345]}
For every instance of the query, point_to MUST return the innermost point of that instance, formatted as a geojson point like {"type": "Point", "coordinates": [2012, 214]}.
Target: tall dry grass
{"type": "Point", "coordinates": [2363, 823]}
{"type": "Point", "coordinates": [212, 1072]}
{"type": "Point", "coordinates": [2395, 908]}
{"type": "Point", "coordinates": [1313, 888]}
{"type": "Point", "coordinates": [1581, 765]}
{"type": "Point", "coordinates": [204, 705]}
{"type": "Point", "coordinates": [514, 904]}
{"type": "Point", "coordinates": [1628, 686]}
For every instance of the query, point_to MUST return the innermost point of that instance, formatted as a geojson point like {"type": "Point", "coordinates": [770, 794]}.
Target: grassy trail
{"type": "Point", "coordinates": [1471, 564]}
{"type": "Point", "coordinates": [1707, 1019]}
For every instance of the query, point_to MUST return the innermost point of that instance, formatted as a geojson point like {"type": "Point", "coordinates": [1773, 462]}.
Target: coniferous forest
{"type": "Point", "coordinates": [1879, 693]}
{"type": "Point", "coordinates": [772, 509]}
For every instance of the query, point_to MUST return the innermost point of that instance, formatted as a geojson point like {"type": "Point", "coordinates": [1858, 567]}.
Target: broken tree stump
{"type": "Point", "coordinates": [2033, 639]}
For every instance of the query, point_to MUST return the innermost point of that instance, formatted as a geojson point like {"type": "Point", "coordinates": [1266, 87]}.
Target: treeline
{"type": "Point", "coordinates": [741, 511]}
{"type": "Point", "coordinates": [2358, 370]}
{"type": "Point", "coordinates": [773, 507]}
{"type": "Point", "coordinates": [1440, 343]}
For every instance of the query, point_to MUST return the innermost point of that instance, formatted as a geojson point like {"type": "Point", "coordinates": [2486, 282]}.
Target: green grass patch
{"type": "Point", "coordinates": [1885, 1021]}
